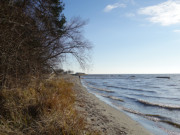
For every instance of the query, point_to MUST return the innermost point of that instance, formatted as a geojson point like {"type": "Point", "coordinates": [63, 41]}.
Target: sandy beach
{"type": "Point", "coordinates": [103, 117]}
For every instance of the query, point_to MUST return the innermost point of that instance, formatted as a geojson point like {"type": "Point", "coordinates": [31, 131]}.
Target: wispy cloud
{"type": "Point", "coordinates": [130, 15]}
{"type": "Point", "coordinates": [166, 13]}
{"type": "Point", "coordinates": [176, 31]}
{"type": "Point", "coordinates": [108, 8]}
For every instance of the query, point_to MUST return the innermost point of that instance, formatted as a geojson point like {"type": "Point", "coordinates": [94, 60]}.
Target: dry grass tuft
{"type": "Point", "coordinates": [43, 107]}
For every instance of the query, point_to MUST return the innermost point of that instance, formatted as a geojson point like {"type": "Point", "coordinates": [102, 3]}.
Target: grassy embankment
{"type": "Point", "coordinates": [43, 107]}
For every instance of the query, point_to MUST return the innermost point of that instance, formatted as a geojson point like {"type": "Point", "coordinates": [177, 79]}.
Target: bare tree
{"type": "Point", "coordinates": [34, 35]}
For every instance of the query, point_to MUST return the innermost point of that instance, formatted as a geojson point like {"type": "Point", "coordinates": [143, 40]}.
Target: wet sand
{"type": "Point", "coordinates": [103, 117]}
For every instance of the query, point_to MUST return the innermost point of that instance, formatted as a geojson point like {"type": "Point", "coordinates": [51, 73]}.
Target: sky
{"type": "Point", "coordinates": [129, 36]}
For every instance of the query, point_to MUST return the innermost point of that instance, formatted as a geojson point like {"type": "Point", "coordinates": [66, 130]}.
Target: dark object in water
{"type": "Point", "coordinates": [165, 77]}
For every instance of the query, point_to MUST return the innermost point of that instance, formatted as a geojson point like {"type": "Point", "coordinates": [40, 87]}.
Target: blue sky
{"type": "Point", "coordinates": [130, 36]}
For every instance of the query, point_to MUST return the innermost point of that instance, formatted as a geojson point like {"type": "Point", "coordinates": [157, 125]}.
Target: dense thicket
{"type": "Point", "coordinates": [34, 34]}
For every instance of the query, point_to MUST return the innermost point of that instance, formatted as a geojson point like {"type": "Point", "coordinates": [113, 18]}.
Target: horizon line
{"type": "Point", "coordinates": [128, 73]}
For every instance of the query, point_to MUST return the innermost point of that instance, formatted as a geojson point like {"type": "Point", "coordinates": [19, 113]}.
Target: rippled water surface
{"type": "Point", "coordinates": [152, 100]}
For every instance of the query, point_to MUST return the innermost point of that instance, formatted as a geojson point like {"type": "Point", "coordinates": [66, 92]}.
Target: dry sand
{"type": "Point", "coordinates": [103, 117]}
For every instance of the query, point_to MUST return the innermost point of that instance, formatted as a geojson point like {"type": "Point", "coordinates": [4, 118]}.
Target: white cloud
{"type": "Point", "coordinates": [177, 31]}
{"type": "Point", "coordinates": [166, 13]}
{"type": "Point", "coordinates": [108, 8]}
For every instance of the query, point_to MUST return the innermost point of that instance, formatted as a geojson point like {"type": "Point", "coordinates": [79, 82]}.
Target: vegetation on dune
{"type": "Point", "coordinates": [34, 36]}
{"type": "Point", "coordinates": [46, 107]}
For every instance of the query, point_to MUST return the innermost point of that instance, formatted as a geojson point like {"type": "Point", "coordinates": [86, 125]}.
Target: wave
{"type": "Point", "coordinates": [155, 97]}
{"type": "Point", "coordinates": [127, 97]}
{"type": "Point", "coordinates": [174, 124]}
{"type": "Point", "coordinates": [125, 88]}
{"type": "Point", "coordinates": [155, 87]}
{"type": "Point", "coordinates": [112, 86]}
{"type": "Point", "coordinates": [92, 83]}
{"type": "Point", "coordinates": [171, 107]}
{"type": "Point", "coordinates": [172, 85]}
{"type": "Point", "coordinates": [100, 89]}
{"type": "Point", "coordinates": [114, 98]}
{"type": "Point", "coordinates": [154, 117]}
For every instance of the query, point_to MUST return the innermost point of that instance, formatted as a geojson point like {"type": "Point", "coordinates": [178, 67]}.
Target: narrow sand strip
{"type": "Point", "coordinates": [103, 117]}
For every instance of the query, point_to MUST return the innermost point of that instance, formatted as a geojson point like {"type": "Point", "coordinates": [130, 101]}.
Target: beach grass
{"type": "Point", "coordinates": [43, 107]}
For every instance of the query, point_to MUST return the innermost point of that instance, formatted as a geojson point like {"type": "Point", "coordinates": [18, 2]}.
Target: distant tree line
{"type": "Point", "coordinates": [34, 36]}
{"type": "Point", "coordinates": [62, 71]}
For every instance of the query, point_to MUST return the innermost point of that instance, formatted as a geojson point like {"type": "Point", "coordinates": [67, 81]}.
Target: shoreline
{"type": "Point", "coordinates": [103, 117]}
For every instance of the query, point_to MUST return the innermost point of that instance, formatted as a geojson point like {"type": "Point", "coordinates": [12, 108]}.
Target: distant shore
{"type": "Point", "coordinates": [102, 117]}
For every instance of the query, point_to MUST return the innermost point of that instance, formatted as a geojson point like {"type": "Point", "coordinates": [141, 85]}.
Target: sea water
{"type": "Point", "coordinates": [151, 100]}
